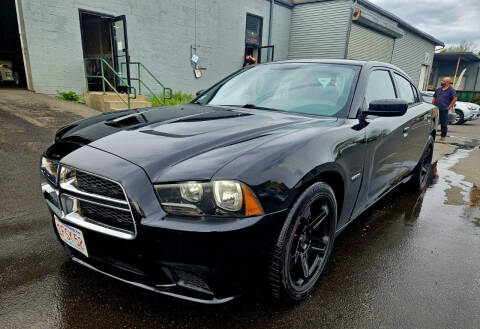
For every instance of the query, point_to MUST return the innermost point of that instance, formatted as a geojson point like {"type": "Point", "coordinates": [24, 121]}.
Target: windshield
{"type": "Point", "coordinates": [321, 89]}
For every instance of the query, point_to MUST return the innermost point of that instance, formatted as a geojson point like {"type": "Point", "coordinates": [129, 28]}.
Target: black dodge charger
{"type": "Point", "coordinates": [246, 186]}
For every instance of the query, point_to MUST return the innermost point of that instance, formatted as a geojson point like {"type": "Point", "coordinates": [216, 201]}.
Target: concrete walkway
{"type": "Point", "coordinates": [31, 106]}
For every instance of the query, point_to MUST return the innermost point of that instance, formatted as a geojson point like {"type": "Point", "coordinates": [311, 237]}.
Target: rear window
{"type": "Point", "coordinates": [405, 89]}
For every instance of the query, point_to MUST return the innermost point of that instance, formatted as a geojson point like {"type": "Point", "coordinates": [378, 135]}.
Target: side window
{"type": "Point", "coordinates": [415, 94]}
{"type": "Point", "coordinates": [405, 89]}
{"type": "Point", "coordinates": [379, 86]}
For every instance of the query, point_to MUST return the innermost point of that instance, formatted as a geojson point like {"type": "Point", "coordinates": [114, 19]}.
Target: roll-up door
{"type": "Point", "coordinates": [368, 45]}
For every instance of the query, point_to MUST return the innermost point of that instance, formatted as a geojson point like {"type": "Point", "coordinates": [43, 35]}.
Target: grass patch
{"type": "Point", "coordinates": [69, 96]}
{"type": "Point", "coordinates": [178, 97]}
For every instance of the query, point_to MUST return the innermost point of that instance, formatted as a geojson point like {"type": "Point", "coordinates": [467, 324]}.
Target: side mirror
{"type": "Point", "coordinates": [387, 108]}
{"type": "Point", "coordinates": [198, 93]}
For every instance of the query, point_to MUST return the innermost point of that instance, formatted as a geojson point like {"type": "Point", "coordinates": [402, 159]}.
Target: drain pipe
{"type": "Point", "coordinates": [270, 21]}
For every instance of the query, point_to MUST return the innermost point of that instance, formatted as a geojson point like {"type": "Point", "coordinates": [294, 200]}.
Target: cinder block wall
{"type": "Point", "coordinates": [160, 35]}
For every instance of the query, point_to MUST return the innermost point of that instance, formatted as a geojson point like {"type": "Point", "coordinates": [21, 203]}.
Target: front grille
{"type": "Point", "coordinates": [95, 203]}
{"type": "Point", "coordinates": [111, 217]}
{"type": "Point", "coordinates": [97, 185]}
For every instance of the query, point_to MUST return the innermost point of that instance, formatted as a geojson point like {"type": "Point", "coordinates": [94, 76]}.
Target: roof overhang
{"type": "Point", "coordinates": [374, 22]}
{"type": "Point", "coordinates": [400, 22]}
{"type": "Point", "coordinates": [453, 57]}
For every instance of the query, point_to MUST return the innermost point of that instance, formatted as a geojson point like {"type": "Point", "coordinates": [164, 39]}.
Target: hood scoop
{"type": "Point", "coordinates": [127, 120]}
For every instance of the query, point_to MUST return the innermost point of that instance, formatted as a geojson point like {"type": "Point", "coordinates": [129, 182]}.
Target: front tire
{"type": "Point", "coordinates": [304, 244]}
{"type": "Point", "coordinates": [459, 118]}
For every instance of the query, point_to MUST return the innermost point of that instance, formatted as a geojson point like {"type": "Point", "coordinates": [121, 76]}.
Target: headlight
{"type": "Point", "coordinates": [191, 191]}
{"type": "Point", "coordinates": [221, 198]}
{"type": "Point", "coordinates": [228, 195]}
{"type": "Point", "coordinates": [470, 107]}
{"type": "Point", "coordinates": [49, 169]}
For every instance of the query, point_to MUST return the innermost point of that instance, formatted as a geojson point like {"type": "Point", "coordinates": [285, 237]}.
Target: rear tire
{"type": "Point", "coordinates": [304, 244]}
{"type": "Point", "coordinates": [421, 173]}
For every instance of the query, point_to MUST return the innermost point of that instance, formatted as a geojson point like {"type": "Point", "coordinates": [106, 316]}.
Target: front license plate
{"type": "Point", "coordinates": [71, 236]}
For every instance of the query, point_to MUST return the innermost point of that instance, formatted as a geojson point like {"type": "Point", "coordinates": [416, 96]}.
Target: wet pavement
{"type": "Point", "coordinates": [412, 261]}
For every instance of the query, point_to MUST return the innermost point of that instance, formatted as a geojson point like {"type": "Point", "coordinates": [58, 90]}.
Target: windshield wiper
{"type": "Point", "coordinates": [253, 106]}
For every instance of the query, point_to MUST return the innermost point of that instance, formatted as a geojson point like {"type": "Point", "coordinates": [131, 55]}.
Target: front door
{"type": "Point", "coordinates": [387, 140]}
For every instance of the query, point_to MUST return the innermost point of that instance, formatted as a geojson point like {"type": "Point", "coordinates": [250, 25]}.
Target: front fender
{"type": "Point", "coordinates": [279, 170]}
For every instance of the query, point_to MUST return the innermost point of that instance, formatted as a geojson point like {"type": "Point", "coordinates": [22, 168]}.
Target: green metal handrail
{"type": "Point", "coordinates": [105, 80]}
{"type": "Point", "coordinates": [166, 92]}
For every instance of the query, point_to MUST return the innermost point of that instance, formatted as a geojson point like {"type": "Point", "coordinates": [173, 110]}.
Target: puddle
{"type": "Point", "coordinates": [475, 197]}
{"type": "Point", "coordinates": [453, 188]}
{"type": "Point", "coordinates": [456, 188]}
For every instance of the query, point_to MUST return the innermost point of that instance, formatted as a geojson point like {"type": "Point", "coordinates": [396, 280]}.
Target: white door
{"type": "Point", "coordinates": [421, 81]}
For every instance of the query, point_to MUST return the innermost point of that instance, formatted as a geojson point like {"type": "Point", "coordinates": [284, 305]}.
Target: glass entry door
{"type": "Point", "coordinates": [266, 54]}
{"type": "Point", "coordinates": [121, 55]}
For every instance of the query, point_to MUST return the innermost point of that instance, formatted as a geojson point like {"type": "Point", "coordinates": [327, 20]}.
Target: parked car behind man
{"type": "Point", "coordinates": [461, 112]}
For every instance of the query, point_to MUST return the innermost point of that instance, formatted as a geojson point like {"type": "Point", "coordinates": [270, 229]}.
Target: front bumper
{"type": "Point", "coordinates": [472, 116]}
{"type": "Point", "coordinates": [207, 260]}
{"type": "Point", "coordinates": [205, 267]}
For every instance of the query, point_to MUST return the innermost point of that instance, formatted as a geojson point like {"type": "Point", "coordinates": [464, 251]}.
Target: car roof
{"type": "Point", "coordinates": [365, 64]}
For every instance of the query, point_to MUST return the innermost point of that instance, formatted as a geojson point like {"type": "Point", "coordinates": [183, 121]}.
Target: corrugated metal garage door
{"type": "Point", "coordinates": [367, 45]}
{"type": "Point", "coordinates": [319, 29]}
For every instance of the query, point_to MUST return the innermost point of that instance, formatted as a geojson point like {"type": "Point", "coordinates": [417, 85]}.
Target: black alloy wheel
{"type": "Point", "coordinates": [426, 166]}
{"type": "Point", "coordinates": [422, 171]}
{"type": "Point", "coordinates": [304, 244]}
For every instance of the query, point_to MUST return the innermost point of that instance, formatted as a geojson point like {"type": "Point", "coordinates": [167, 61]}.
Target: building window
{"type": "Point", "coordinates": [253, 36]}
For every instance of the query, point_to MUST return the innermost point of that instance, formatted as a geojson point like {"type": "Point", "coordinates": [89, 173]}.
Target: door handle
{"type": "Point", "coordinates": [405, 131]}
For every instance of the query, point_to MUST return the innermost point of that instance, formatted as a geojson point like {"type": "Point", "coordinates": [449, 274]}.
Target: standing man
{"type": "Point", "coordinates": [445, 98]}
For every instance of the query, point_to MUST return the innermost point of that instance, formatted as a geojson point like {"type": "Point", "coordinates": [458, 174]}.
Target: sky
{"type": "Point", "coordinates": [450, 21]}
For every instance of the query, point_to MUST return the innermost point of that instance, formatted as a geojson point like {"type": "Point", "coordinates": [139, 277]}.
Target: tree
{"type": "Point", "coordinates": [463, 46]}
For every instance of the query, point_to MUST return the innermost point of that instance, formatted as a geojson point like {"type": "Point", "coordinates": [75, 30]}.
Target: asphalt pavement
{"type": "Point", "coordinates": [411, 261]}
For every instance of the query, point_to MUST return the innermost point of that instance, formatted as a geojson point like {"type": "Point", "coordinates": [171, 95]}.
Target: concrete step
{"type": "Point", "coordinates": [111, 96]}
{"type": "Point", "coordinates": [98, 100]}
{"type": "Point", "coordinates": [119, 105]}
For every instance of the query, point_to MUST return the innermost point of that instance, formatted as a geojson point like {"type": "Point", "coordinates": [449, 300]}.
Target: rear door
{"type": "Point", "coordinates": [418, 119]}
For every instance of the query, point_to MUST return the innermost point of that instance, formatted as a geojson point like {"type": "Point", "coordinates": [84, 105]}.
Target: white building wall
{"type": "Point", "coordinates": [160, 34]}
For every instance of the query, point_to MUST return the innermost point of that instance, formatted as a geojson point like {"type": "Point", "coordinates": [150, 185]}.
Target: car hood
{"type": "Point", "coordinates": [184, 142]}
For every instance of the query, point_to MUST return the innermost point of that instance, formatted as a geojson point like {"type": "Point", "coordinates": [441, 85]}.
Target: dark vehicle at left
{"type": "Point", "coordinates": [245, 187]}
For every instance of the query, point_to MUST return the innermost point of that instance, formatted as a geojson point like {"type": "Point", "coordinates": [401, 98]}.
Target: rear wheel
{"type": "Point", "coordinates": [304, 244]}
{"type": "Point", "coordinates": [421, 172]}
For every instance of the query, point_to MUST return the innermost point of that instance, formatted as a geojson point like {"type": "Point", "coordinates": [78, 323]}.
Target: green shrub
{"type": "Point", "coordinates": [69, 96]}
{"type": "Point", "coordinates": [178, 97]}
